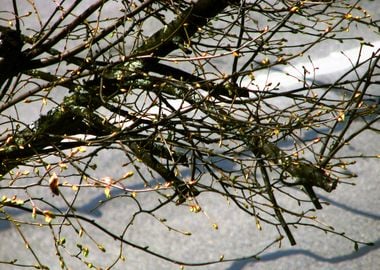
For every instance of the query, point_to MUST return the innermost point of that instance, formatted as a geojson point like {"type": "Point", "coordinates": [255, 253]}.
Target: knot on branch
{"type": "Point", "coordinates": [145, 152]}
{"type": "Point", "coordinates": [11, 57]}
{"type": "Point", "coordinates": [10, 43]}
{"type": "Point", "coordinates": [309, 174]}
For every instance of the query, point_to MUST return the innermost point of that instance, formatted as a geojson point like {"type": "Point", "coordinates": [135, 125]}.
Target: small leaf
{"type": "Point", "coordinates": [49, 216]}
{"type": "Point", "coordinates": [82, 149]}
{"type": "Point", "coordinates": [16, 201]}
{"type": "Point", "coordinates": [235, 53]}
{"type": "Point", "coordinates": [34, 213]}
{"type": "Point", "coordinates": [215, 226]}
{"type": "Point", "coordinates": [107, 192]}
{"type": "Point", "coordinates": [101, 248]}
{"type": "Point", "coordinates": [195, 208]}
{"type": "Point", "coordinates": [341, 116]}
{"type": "Point", "coordinates": [62, 241]}
{"type": "Point", "coordinates": [258, 225]}
{"type": "Point", "coordinates": [275, 132]}
{"type": "Point", "coordinates": [85, 251]}
{"type": "Point", "coordinates": [63, 166]}
{"type": "Point", "coordinates": [265, 61]}
{"type": "Point", "coordinates": [128, 174]}
{"type": "Point", "coordinates": [294, 9]}
{"type": "Point", "coordinates": [348, 16]}
{"type": "Point", "coordinates": [53, 183]}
